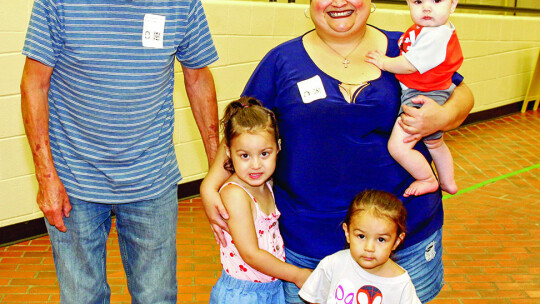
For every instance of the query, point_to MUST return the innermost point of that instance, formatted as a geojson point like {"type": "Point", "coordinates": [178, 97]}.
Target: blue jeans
{"type": "Point", "coordinates": [147, 239]}
{"type": "Point", "coordinates": [424, 263]}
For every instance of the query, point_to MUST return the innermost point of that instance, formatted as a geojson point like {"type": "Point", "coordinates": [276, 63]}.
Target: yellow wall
{"type": "Point", "coordinates": [499, 53]}
{"type": "Point", "coordinates": [509, 3]}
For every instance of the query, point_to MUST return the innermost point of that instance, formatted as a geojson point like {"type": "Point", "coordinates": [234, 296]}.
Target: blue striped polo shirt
{"type": "Point", "coordinates": [111, 113]}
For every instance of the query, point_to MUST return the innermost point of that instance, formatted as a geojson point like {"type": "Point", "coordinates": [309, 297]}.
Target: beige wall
{"type": "Point", "coordinates": [499, 57]}
{"type": "Point", "coordinates": [510, 3]}
{"type": "Point", "coordinates": [17, 183]}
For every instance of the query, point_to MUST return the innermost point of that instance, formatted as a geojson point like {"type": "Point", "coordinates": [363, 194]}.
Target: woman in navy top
{"type": "Point", "coordinates": [335, 113]}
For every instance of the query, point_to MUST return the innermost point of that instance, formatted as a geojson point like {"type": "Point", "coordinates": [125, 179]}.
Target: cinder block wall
{"type": "Point", "coordinates": [499, 57]}
{"type": "Point", "coordinates": [17, 182]}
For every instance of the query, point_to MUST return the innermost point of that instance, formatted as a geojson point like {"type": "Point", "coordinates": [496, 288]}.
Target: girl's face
{"type": "Point", "coordinates": [339, 18]}
{"type": "Point", "coordinates": [254, 156]}
{"type": "Point", "coordinates": [372, 240]}
{"type": "Point", "coordinates": [431, 12]}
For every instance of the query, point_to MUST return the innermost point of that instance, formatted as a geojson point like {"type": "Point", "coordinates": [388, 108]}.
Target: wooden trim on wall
{"type": "Point", "coordinates": [189, 189]}
{"type": "Point", "coordinates": [20, 232]}
{"type": "Point", "coordinates": [28, 230]}
{"type": "Point", "coordinates": [496, 112]}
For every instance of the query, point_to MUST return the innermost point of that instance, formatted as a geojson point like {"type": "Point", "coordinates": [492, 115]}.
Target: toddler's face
{"type": "Point", "coordinates": [254, 156]}
{"type": "Point", "coordinates": [372, 240]}
{"type": "Point", "coordinates": [431, 12]}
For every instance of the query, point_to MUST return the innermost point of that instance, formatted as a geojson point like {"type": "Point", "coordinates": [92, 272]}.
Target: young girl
{"type": "Point", "coordinates": [254, 258]}
{"type": "Point", "coordinates": [374, 227]}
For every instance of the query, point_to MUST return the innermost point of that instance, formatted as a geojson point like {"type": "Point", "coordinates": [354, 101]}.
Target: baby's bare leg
{"type": "Point", "coordinates": [443, 163]}
{"type": "Point", "coordinates": [412, 161]}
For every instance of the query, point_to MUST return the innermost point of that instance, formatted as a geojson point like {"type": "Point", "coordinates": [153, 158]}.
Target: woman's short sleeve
{"type": "Point", "coordinates": [457, 78]}
{"type": "Point", "coordinates": [262, 84]}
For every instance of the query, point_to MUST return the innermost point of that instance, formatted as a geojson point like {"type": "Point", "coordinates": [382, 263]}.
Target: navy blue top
{"type": "Point", "coordinates": [332, 150]}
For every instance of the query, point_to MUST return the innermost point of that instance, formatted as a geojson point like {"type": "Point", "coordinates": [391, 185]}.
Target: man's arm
{"type": "Point", "coordinates": [201, 93]}
{"type": "Point", "coordinates": [52, 197]}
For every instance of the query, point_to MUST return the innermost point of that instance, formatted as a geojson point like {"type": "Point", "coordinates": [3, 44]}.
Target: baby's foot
{"type": "Point", "coordinates": [449, 187]}
{"type": "Point", "coordinates": [420, 187]}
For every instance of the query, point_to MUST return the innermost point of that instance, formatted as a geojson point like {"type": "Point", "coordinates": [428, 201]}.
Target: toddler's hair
{"type": "Point", "coordinates": [246, 115]}
{"type": "Point", "coordinates": [381, 204]}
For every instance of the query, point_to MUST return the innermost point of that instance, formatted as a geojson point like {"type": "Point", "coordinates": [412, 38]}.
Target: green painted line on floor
{"type": "Point", "coordinates": [492, 180]}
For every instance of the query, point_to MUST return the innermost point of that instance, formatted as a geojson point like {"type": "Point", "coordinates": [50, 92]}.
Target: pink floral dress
{"type": "Point", "coordinates": [269, 239]}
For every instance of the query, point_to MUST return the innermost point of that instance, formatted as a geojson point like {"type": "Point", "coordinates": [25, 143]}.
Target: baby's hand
{"type": "Point", "coordinates": [376, 58]}
{"type": "Point", "coordinates": [302, 276]}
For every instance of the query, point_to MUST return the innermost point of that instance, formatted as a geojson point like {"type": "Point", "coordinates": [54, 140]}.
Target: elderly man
{"type": "Point", "coordinates": [97, 106]}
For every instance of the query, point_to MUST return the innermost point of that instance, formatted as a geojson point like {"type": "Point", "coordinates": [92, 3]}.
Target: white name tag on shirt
{"type": "Point", "coordinates": [153, 30]}
{"type": "Point", "coordinates": [311, 89]}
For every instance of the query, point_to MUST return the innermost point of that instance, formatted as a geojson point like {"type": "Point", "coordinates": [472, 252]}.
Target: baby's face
{"type": "Point", "coordinates": [431, 12]}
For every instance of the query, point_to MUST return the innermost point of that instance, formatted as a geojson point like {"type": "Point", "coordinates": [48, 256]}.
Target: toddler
{"type": "Point", "coordinates": [374, 227]}
{"type": "Point", "coordinates": [430, 54]}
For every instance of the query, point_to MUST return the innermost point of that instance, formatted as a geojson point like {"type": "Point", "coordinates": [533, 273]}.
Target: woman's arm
{"type": "Point", "coordinates": [213, 206]}
{"type": "Point", "coordinates": [432, 117]}
{"type": "Point", "coordinates": [242, 230]}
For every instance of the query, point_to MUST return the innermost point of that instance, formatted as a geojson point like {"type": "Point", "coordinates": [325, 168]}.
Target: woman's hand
{"type": "Point", "coordinates": [216, 213]}
{"type": "Point", "coordinates": [432, 117]}
{"type": "Point", "coordinates": [421, 122]}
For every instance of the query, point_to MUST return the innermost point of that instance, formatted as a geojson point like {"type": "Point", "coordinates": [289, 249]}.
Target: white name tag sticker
{"type": "Point", "coordinates": [311, 89]}
{"type": "Point", "coordinates": [153, 30]}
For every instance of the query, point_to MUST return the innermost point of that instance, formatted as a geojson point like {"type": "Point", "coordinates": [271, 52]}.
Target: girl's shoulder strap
{"type": "Point", "coordinates": [269, 185]}
{"type": "Point", "coordinates": [237, 184]}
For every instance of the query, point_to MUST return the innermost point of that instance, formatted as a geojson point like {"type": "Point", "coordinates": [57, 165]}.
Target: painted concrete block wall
{"type": "Point", "coordinates": [17, 181]}
{"type": "Point", "coordinates": [499, 57]}
{"type": "Point", "coordinates": [508, 3]}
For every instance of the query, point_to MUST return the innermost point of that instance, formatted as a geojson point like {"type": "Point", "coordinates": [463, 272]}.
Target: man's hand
{"type": "Point", "coordinates": [53, 200]}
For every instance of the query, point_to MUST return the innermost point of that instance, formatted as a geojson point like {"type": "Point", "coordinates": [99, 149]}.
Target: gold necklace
{"type": "Point", "coordinates": [345, 58]}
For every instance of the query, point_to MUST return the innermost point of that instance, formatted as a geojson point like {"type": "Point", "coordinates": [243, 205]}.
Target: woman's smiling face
{"type": "Point", "coordinates": [340, 18]}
